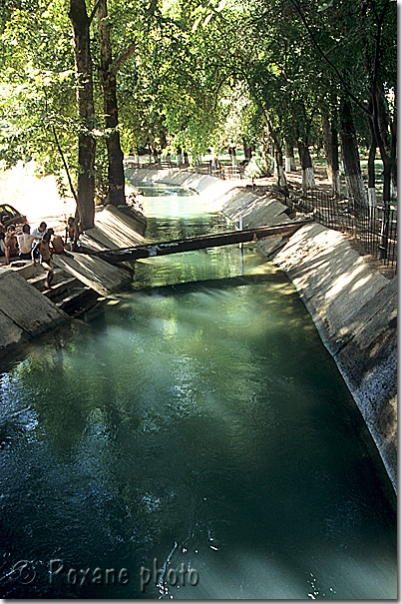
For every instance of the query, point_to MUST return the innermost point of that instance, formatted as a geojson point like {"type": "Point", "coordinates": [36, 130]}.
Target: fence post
{"type": "Point", "coordinates": [384, 233]}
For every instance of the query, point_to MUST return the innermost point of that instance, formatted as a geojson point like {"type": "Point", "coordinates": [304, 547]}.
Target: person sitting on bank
{"type": "Point", "coordinates": [72, 235]}
{"type": "Point", "coordinates": [38, 232]}
{"type": "Point", "coordinates": [10, 244]}
{"type": "Point", "coordinates": [25, 241]}
{"type": "Point", "coordinates": [57, 244]}
{"type": "Point", "coordinates": [46, 257]}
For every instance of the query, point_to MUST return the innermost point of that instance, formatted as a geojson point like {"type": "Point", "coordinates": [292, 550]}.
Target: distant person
{"type": "Point", "coordinates": [38, 232]}
{"type": "Point", "coordinates": [25, 241]}
{"type": "Point", "coordinates": [72, 235]}
{"type": "Point", "coordinates": [215, 164]}
{"type": "Point", "coordinates": [46, 257]}
{"type": "Point", "coordinates": [71, 231]}
{"type": "Point", "coordinates": [10, 244]}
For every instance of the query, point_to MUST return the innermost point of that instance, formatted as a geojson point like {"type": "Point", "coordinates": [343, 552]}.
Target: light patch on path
{"type": "Point", "coordinates": [36, 198]}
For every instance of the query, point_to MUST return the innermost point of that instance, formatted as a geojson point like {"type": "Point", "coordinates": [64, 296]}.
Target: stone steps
{"type": "Point", "coordinates": [39, 277]}
{"type": "Point", "coordinates": [67, 292]}
{"type": "Point", "coordinates": [78, 300]}
{"type": "Point", "coordinates": [60, 289]}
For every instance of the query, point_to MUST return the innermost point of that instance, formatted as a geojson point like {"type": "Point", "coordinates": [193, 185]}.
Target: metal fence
{"type": "Point", "coordinates": [375, 230]}
{"type": "Point", "coordinates": [223, 172]}
{"type": "Point", "coordinates": [165, 164]}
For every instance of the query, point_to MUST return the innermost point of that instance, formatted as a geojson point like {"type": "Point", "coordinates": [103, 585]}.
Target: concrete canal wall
{"type": "Point", "coordinates": [26, 312]}
{"type": "Point", "coordinates": [353, 306]}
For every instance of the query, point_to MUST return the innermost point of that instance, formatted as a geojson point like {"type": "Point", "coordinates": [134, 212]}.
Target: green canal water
{"type": "Point", "coordinates": [190, 438]}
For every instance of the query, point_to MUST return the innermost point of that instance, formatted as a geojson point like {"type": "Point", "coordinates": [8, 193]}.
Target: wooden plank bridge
{"type": "Point", "coordinates": [163, 248]}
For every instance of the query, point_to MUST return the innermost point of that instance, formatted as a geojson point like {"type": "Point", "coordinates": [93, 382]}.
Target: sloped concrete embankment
{"type": "Point", "coordinates": [212, 189]}
{"type": "Point", "coordinates": [26, 312]}
{"type": "Point", "coordinates": [355, 311]}
{"type": "Point", "coordinates": [353, 306]}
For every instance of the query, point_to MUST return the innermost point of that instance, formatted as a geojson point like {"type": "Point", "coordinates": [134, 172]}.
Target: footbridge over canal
{"type": "Point", "coordinates": [162, 248]}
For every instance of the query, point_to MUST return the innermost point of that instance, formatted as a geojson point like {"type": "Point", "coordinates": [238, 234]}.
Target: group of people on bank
{"type": "Point", "coordinates": [39, 245]}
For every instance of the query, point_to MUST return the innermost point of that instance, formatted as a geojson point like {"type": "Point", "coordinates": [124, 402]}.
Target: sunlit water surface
{"type": "Point", "coordinates": [196, 424]}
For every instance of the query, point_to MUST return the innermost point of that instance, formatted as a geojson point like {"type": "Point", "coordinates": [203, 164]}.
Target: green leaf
{"type": "Point", "coordinates": [325, 5]}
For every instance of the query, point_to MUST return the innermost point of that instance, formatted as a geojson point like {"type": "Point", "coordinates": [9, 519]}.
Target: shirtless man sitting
{"type": "Point", "coordinates": [25, 241]}
{"type": "Point", "coordinates": [10, 244]}
{"type": "Point", "coordinates": [57, 244]}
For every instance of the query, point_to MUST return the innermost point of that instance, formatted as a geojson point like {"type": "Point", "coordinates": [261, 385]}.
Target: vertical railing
{"type": "Point", "coordinates": [376, 229]}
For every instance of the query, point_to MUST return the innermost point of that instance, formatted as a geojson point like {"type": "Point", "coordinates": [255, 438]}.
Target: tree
{"type": "Point", "coordinates": [37, 96]}
{"type": "Point", "coordinates": [368, 30]}
{"type": "Point", "coordinates": [116, 194]}
{"type": "Point", "coordinates": [86, 112]}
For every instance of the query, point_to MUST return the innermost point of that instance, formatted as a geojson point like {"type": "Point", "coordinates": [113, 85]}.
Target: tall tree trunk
{"type": "Point", "coordinates": [232, 155]}
{"type": "Point", "coordinates": [280, 172]}
{"type": "Point", "coordinates": [179, 155]}
{"type": "Point", "coordinates": [383, 127]}
{"type": "Point", "coordinates": [326, 132]}
{"type": "Point", "coordinates": [372, 198]}
{"type": "Point", "coordinates": [163, 139]}
{"type": "Point", "coordinates": [290, 163]}
{"type": "Point", "coordinates": [308, 180]}
{"type": "Point", "coordinates": [336, 176]}
{"type": "Point", "coordinates": [116, 181]}
{"type": "Point", "coordinates": [385, 132]}
{"type": "Point", "coordinates": [331, 150]}
{"type": "Point", "coordinates": [351, 159]}
{"type": "Point", "coordinates": [247, 150]}
{"type": "Point", "coordinates": [86, 111]}
{"type": "Point", "coordinates": [266, 155]}
{"type": "Point", "coordinates": [277, 153]}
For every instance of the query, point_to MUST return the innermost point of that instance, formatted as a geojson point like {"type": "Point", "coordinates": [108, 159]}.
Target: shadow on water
{"type": "Point", "coordinates": [211, 284]}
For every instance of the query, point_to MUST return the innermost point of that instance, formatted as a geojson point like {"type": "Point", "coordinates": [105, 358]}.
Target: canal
{"type": "Point", "coordinates": [190, 438]}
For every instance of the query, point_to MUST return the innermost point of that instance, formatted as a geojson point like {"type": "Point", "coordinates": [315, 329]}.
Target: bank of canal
{"type": "Point", "coordinates": [195, 422]}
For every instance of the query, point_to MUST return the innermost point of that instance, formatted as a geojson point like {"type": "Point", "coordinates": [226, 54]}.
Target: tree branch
{"type": "Point", "coordinates": [380, 21]}
{"type": "Point", "coordinates": [327, 60]}
{"type": "Point", "coordinates": [60, 150]}
{"type": "Point", "coordinates": [70, 182]}
{"type": "Point", "coordinates": [123, 57]}
{"type": "Point", "coordinates": [93, 13]}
